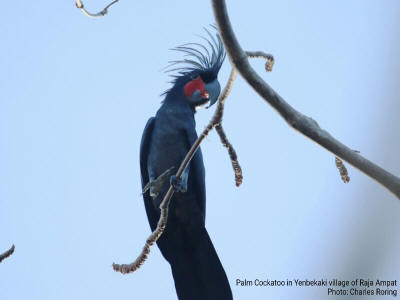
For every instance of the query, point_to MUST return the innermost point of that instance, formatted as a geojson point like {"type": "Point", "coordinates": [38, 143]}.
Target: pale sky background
{"type": "Point", "coordinates": [75, 94]}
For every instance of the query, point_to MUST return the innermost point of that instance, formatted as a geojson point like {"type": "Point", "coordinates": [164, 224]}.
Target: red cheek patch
{"type": "Point", "coordinates": [194, 85]}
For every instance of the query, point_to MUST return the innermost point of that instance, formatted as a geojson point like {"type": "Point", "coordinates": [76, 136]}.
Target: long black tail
{"type": "Point", "coordinates": [197, 270]}
{"type": "Point", "coordinates": [186, 245]}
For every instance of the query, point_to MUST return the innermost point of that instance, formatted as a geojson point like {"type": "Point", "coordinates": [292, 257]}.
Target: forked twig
{"type": "Point", "coordinates": [8, 253]}
{"type": "Point", "coordinates": [162, 222]}
{"type": "Point", "coordinates": [79, 4]}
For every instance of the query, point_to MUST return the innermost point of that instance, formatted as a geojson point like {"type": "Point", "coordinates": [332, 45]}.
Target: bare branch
{"type": "Point", "coordinates": [162, 222]}
{"type": "Point", "coordinates": [6, 254]}
{"type": "Point", "coordinates": [79, 4]}
{"type": "Point", "coordinates": [303, 124]}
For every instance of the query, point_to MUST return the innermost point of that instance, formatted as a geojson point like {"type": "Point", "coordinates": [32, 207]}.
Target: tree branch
{"type": "Point", "coordinates": [79, 4]}
{"type": "Point", "coordinates": [303, 124]}
{"type": "Point", "coordinates": [6, 254]}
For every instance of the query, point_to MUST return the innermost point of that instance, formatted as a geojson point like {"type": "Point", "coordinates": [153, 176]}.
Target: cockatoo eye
{"type": "Point", "coordinates": [194, 85]}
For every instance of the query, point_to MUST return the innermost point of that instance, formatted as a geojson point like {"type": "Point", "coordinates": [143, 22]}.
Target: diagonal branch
{"type": "Point", "coordinates": [303, 124]}
{"type": "Point", "coordinates": [6, 254]}
{"type": "Point", "coordinates": [79, 4]}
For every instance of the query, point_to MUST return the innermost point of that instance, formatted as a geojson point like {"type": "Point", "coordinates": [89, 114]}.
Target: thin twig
{"type": "Point", "coordinates": [344, 174]}
{"type": "Point", "coordinates": [162, 222]}
{"type": "Point", "coordinates": [79, 4]}
{"type": "Point", "coordinates": [260, 54]}
{"type": "Point", "coordinates": [8, 253]}
{"type": "Point", "coordinates": [303, 124]}
{"type": "Point", "coordinates": [224, 140]}
{"type": "Point", "coordinates": [342, 170]}
{"type": "Point", "coordinates": [232, 154]}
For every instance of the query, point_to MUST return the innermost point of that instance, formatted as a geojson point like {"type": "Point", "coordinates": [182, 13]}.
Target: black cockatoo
{"type": "Point", "coordinates": [167, 137]}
